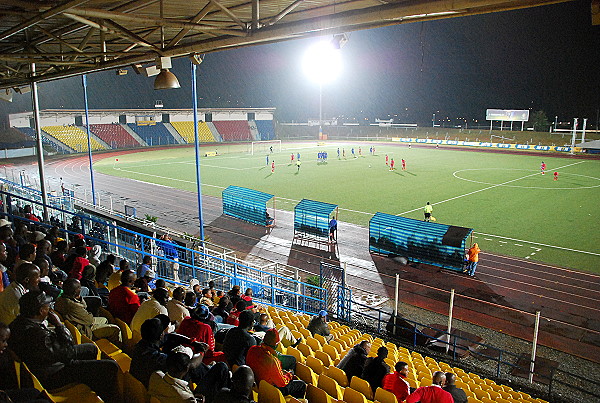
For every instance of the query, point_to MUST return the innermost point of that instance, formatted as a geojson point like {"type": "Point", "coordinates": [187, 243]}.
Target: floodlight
{"type": "Point", "coordinates": [196, 58]}
{"type": "Point", "coordinates": [339, 40]}
{"type": "Point", "coordinates": [322, 62]}
{"type": "Point", "coordinates": [166, 80]}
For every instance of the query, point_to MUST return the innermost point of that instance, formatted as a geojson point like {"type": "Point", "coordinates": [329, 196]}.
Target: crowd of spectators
{"type": "Point", "coordinates": [191, 341]}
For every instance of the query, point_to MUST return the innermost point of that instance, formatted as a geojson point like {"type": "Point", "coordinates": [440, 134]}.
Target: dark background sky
{"type": "Point", "coordinates": [543, 58]}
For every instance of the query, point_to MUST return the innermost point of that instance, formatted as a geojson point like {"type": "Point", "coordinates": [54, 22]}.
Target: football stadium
{"type": "Point", "coordinates": [221, 251]}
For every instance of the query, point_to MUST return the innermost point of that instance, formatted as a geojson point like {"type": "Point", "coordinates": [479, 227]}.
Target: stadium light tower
{"type": "Point", "coordinates": [322, 64]}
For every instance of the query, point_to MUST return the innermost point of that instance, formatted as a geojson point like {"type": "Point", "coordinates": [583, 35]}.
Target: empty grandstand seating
{"type": "Point", "coordinates": [28, 131]}
{"type": "Point", "coordinates": [186, 129]}
{"type": "Point", "coordinates": [114, 135]}
{"type": "Point", "coordinates": [73, 137]}
{"type": "Point", "coordinates": [265, 129]}
{"type": "Point", "coordinates": [234, 130]}
{"type": "Point", "coordinates": [154, 135]}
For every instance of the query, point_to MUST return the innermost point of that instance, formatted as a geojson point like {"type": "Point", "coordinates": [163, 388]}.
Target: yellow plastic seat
{"type": "Point", "coordinates": [316, 395]}
{"type": "Point", "coordinates": [133, 390]}
{"type": "Point", "coordinates": [332, 353]}
{"type": "Point", "coordinates": [107, 347]}
{"type": "Point", "coordinates": [330, 386]}
{"type": "Point", "coordinates": [126, 334]}
{"type": "Point", "coordinates": [296, 353]}
{"type": "Point", "coordinates": [74, 332]}
{"type": "Point", "coordinates": [123, 360]}
{"type": "Point", "coordinates": [320, 339]}
{"type": "Point", "coordinates": [384, 396]}
{"type": "Point", "coordinates": [304, 332]}
{"type": "Point", "coordinates": [338, 375]}
{"type": "Point", "coordinates": [324, 358]}
{"type": "Point", "coordinates": [362, 386]}
{"type": "Point", "coordinates": [268, 393]}
{"type": "Point", "coordinates": [313, 343]}
{"type": "Point", "coordinates": [305, 350]}
{"type": "Point", "coordinates": [353, 396]}
{"type": "Point", "coordinates": [480, 393]}
{"type": "Point", "coordinates": [305, 373]}
{"type": "Point", "coordinates": [338, 346]}
{"type": "Point", "coordinates": [315, 364]}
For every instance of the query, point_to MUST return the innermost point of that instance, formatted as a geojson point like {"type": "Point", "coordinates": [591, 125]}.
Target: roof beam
{"type": "Point", "coordinates": [196, 19]}
{"type": "Point", "coordinates": [40, 17]}
{"type": "Point", "coordinates": [229, 13]}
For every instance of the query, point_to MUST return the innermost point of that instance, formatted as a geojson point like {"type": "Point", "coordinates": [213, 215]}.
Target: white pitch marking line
{"type": "Point", "coordinates": [487, 188]}
{"type": "Point", "coordinates": [502, 241]}
{"type": "Point", "coordinates": [488, 239]}
{"type": "Point", "coordinates": [518, 244]}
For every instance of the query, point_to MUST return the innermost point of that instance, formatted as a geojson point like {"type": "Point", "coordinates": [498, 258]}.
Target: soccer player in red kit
{"type": "Point", "coordinates": [292, 158]}
{"type": "Point", "coordinates": [273, 167]}
{"type": "Point", "coordinates": [543, 168]}
{"type": "Point", "coordinates": [403, 165]}
{"type": "Point", "coordinates": [387, 160]}
{"type": "Point", "coordinates": [556, 175]}
{"type": "Point", "coordinates": [392, 165]}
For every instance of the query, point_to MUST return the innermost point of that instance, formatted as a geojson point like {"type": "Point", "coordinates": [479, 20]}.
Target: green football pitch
{"type": "Point", "coordinates": [513, 209]}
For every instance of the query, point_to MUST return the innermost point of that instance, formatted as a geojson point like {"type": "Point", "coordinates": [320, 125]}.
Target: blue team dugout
{"type": "Point", "coordinates": [248, 205]}
{"type": "Point", "coordinates": [419, 241]}
{"type": "Point", "coordinates": [311, 219]}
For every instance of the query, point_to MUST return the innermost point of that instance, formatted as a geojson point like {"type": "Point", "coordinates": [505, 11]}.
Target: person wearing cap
{"type": "Point", "coordinates": [318, 325]}
{"type": "Point", "coordinates": [150, 308]}
{"type": "Point", "coordinates": [376, 369]}
{"type": "Point", "coordinates": [266, 366]}
{"type": "Point", "coordinates": [27, 279]}
{"type": "Point", "coordinates": [51, 354]}
{"type": "Point", "coordinates": [196, 329]}
{"type": "Point", "coordinates": [73, 308]}
{"type": "Point", "coordinates": [123, 302]}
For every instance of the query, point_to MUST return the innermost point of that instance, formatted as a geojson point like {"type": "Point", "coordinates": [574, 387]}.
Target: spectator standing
{"type": "Point", "coordinates": [397, 383]}
{"type": "Point", "coordinates": [51, 354]}
{"type": "Point", "coordinates": [472, 259]}
{"type": "Point", "coordinates": [376, 369]}
{"type": "Point", "coordinates": [123, 303]}
{"type": "Point", "coordinates": [427, 211]}
{"type": "Point", "coordinates": [353, 362]}
{"type": "Point", "coordinates": [27, 279]}
{"type": "Point", "coordinates": [433, 393]}
{"type": "Point", "coordinates": [266, 366]}
{"type": "Point", "coordinates": [458, 394]}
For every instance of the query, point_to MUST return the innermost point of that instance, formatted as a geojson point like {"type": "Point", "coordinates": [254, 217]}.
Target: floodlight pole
{"type": "Point", "coordinates": [574, 135]}
{"type": "Point", "coordinates": [89, 141]}
{"type": "Point", "coordinates": [197, 148]}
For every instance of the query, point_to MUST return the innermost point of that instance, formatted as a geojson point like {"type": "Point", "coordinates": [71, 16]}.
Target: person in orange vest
{"type": "Point", "coordinates": [473, 259]}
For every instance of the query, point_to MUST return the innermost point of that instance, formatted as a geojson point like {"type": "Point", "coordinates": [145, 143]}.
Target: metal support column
{"type": "Point", "coordinates": [197, 148]}
{"type": "Point", "coordinates": [38, 138]}
{"type": "Point", "coordinates": [89, 140]}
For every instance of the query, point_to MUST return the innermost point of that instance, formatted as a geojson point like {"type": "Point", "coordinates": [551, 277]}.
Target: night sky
{"type": "Point", "coordinates": [544, 58]}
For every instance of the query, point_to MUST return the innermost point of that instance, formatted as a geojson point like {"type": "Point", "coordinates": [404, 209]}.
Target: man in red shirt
{"type": "Point", "coordinates": [403, 165]}
{"type": "Point", "coordinates": [433, 393]}
{"type": "Point", "coordinates": [396, 382]}
{"type": "Point", "coordinates": [266, 366]}
{"type": "Point", "coordinates": [123, 302]}
{"type": "Point", "coordinates": [196, 330]}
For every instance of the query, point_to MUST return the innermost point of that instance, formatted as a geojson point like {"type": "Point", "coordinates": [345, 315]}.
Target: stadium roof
{"type": "Point", "coordinates": [72, 37]}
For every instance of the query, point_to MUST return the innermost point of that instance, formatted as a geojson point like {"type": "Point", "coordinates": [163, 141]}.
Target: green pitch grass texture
{"type": "Point", "coordinates": [503, 195]}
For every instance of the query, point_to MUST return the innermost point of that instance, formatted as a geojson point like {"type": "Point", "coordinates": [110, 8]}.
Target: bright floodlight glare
{"type": "Point", "coordinates": [322, 62]}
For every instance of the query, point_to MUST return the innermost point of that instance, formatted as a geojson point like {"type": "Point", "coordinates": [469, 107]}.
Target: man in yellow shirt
{"type": "Point", "coordinates": [427, 211]}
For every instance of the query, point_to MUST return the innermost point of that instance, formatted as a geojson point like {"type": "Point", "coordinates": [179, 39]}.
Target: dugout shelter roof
{"type": "Point", "coordinates": [71, 37]}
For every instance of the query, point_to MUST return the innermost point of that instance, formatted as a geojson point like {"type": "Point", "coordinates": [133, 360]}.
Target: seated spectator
{"type": "Point", "coordinates": [397, 383]}
{"type": "Point", "coordinates": [43, 249]}
{"type": "Point", "coordinates": [353, 362]}
{"type": "Point", "coordinates": [123, 303]}
{"type": "Point", "coordinates": [194, 328]}
{"type": "Point", "coordinates": [190, 300]}
{"type": "Point", "coordinates": [9, 384]}
{"type": "Point", "coordinates": [318, 325]}
{"type": "Point", "coordinates": [376, 369]}
{"type": "Point", "coordinates": [94, 255]}
{"type": "Point", "coordinates": [207, 298]}
{"type": "Point", "coordinates": [26, 255]}
{"type": "Point", "coordinates": [73, 308]}
{"type": "Point", "coordinates": [233, 318]}
{"type": "Point", "coordinates": [20, 234]}
{"type": "Point", "coordinates": [433, 393]}
{"type": "Point", "coordinates": [147, 356]}
{"type": "Point", "coordinates": [175, 306]}
{"type": "Point", "coordinates": [45, 283]}
{"type": "Point", "coordinates": [242, 381]}
{"type": "Point", "coordinates": [220, 310]}
{"type": "Point", "coordinates": [457, 393]}
{"type": "Point", "coordinates": [266, 366]}
{"type": "Point", "coordinates": [33, 237]}
{"type": "Point", "coordinates": [104, 270]}
{"type": "Point", "coordinates": [170, 387]}
{"type": "Point", "coordinates": [146, 265]}
{"type": "Point", "coordinates": [150, 308]}
{"type": "Point", "coordinates": [264, 323]}
{"type": "Point", "coordinates": [4, 280]}
{"type": "Point", "coordinates": [88, 280]}
{"type": "Point", "coordinates": [58, 256]}
{"type": "Point", "coordinates": [238, 340]}
{"type": "Point", "coordinates": [27, 278]}
{"type": "Point", "coordinates": [114, 280]}
{"type": "Point", "coordinates": [28, 213]}
{"type": "Point", "coordinates": [234, 295]}
{"type": "Point", "coordinates": [51, 354]}
{"type": "Point", "coordinates": [247, 297]}
{"type": "Point", "coordinates": [76, 262]}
